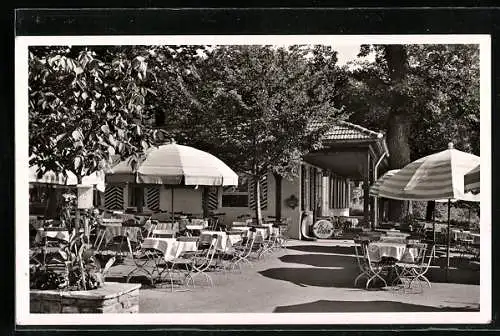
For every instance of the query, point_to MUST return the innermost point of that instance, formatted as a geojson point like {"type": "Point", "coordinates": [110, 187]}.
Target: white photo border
{"type": "Point", "coordinates": [23, 316]}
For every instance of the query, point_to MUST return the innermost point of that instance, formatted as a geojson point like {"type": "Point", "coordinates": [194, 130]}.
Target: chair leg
{"type": "Point", "coordinates": [376, 275]}
{"type": "Point", "coordinates": [360, 275]}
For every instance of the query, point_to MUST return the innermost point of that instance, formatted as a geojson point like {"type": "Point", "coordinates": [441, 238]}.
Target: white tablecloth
{"type": "Point", "coordinates": [264, 232]}
{"type": "Point", "coordinates": [132, 232]}
{"type": "Point", "coordinates": [169, 247]}
{"type": "Point", "coordinates": [242, 228]}
{"type": "Point", "coordinates": [391, 239]}
{"type": "Point", "coordinates": [224, 241]}
{"type": "Point", "coordinates": [476, 238]}
{"type": "Point", "coordinates": [112, 221]}
{"type": "Point", "coordinates": [398, 251]}
{"type": "Point", "coordinates": [395, 233]}
{"type": "Point", "coordinates": [62, 235]}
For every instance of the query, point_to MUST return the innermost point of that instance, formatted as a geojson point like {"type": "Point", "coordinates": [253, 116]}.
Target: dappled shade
{"type": "Point", "coordinates": [348, 250]}
{"type": "Point", "coordinates": [320, 260]}
{"type": "Point", "coordinates": [317, 277]}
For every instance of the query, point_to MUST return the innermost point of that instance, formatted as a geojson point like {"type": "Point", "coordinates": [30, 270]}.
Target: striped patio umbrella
{"type": "Point", "coordinates": [434, 177]}
{"type": "Point", "coordinates": [471, 180]}
{"type": "Point", "coordinates": [438, 176]}
{"type": "Point", "coordinates": [174, 164]}
{"type": "Point", "coordinates": [375, 188]}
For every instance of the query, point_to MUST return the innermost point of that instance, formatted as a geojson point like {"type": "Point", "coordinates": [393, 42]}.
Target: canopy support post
{"type": "Point", "coordinates": [448, 239]}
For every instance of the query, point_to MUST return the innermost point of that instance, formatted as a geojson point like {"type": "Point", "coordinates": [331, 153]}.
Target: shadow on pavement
{"type": "Point", "coordinates": [320, 260]}
{"type": "Point", "coordinates": [323, 249]}
{"type": "Point", "coordinates": [325, 306]}
{"type": "Point", "coordinates": [318, 277]}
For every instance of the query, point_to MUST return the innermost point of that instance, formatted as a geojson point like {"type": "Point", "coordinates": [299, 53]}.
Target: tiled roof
{"type": "Point", "coordinates": [344, 130]}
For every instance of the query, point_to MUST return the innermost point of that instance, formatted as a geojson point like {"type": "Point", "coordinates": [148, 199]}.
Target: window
{"type": "Point", "coordinates": [236, 197]}
{"type": "Point", "coordinates": [136, 196]}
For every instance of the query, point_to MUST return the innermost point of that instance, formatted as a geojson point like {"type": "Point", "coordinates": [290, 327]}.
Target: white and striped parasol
{"type": "Point", "coordinates": [471, 180]}
{"type": "Point", "coordinates": [434, 177]}
{"type": "Point", "coordinates": [375, 188]}
{"type": "Point", "coordinates": [438, 176]}
{"type": "Point", "coordinates": [174, 164]}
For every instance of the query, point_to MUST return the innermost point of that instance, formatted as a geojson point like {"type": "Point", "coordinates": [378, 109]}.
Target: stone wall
{"type": "Point", "coordinates": [111, 298]}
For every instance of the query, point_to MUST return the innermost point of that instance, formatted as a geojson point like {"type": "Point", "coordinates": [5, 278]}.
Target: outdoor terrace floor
{"type": "Point", "coordinates": [311, 277]}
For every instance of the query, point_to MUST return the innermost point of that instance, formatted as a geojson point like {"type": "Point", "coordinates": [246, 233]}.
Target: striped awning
{"type": "Point", "coordinates": [435, 177]}
{"type": "Point", "coordinates": [174, 164]}
{"type": "Point", "coordinates": [471, 180]}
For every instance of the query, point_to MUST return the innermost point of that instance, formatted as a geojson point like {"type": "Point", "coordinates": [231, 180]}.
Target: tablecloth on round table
{"type": "Point", "coordinates": [225, 240]}
{"type": "Point", "coordinates": [398, 251]}
{"type": "Point", "coordinates": [170, 247]}
{"type": "Point", "coordinates": [62, 235]}
{"type": "Point", "coordinates": [132, 232]}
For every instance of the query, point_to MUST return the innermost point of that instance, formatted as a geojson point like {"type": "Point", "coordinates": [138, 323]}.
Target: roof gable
{"type": "Point", "coordinates": [343, 130]}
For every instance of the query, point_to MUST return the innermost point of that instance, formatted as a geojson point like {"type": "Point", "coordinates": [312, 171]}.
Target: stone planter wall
{"type": "Point", "coordinates": [113, 298]}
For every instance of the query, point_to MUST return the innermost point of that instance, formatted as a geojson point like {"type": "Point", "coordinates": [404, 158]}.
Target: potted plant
{"type": "Point", "coordinates": [71, 280]}
{"type": "Point", "coordinates": [74, 265]}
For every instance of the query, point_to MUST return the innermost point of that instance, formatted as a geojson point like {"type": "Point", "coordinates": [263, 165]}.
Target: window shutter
{"type": "Point", "coordinates": [212, 199]}
{"type": "Point", "coordinates": [153, 197]}
{"type": "Point", "coordinates": [113, 197]}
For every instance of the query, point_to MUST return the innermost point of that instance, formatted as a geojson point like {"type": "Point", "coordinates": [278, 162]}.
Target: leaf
{"type": "Point", "coordinates": [112, 140]}
{"type": "Point", "coordinates": [121, 147]}
{"type": "Point", "coordinates": [77, 135]}
{"type": "Point", "coordinates": [111, 150]}
{"type": "Point", "coordinates": [77, 163]}
{"type": "Point", "coordinates": [63, 254]}
{"type": "Point", "coordinates": [108, 265]}
{"type": "Point", "coordinates": [105, 129]}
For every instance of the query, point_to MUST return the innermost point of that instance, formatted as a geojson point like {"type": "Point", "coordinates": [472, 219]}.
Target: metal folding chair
{"type": "Point", "coordinates": [411, 273]}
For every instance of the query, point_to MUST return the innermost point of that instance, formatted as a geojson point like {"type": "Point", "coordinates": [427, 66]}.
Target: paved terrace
{"type": "Point", "coordinates": [311, 277]}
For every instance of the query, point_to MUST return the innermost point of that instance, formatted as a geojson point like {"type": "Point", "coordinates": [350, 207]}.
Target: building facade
{"type": "Point", "coordinates": [322, 188]}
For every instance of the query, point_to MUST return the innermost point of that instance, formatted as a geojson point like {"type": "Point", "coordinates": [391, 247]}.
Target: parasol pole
{"type": "Point", "coordinates": [434, 225]}
{"type": "Point", "coordinates": [172, 208]}
{"type": "Point", "coordinates": [448, 239]}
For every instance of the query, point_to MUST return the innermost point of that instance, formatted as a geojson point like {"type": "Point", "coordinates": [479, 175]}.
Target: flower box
{"type": "Point", "coordinates": [112, 297]}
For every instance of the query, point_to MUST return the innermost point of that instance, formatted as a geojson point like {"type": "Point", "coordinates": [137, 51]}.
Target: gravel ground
{"type": "Point", "coordinates": [310, 277]}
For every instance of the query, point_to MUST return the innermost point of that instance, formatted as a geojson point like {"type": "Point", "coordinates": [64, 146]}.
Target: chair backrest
{"type": "Point", "coordinates": [204, 241]}
{"type": "Point", "coordinates": [419, 258]}
{"type": "Point", "coordinates": [187, 239]}
{"type": "Point", "coordinates": [372, 253]}
{"type": "Point", "coordinates": [428, 255]}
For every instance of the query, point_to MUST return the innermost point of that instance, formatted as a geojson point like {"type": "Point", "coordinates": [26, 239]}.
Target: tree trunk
{"type": "Point", "coordinates": [258, 211]}
{"type": "Point", "coordinates": [429, 210]}
{"type": "Point", "coordinates": [278, 179]}
{"type": "Point", "coordinates": [398, 127]}
{"type": "Point", "coordinates": [52, 203]}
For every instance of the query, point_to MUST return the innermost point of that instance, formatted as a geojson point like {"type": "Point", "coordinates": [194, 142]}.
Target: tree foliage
{"type": "Point", "coordinates": [423, 96]}
{"type": "Point", "coordinates": [442, 90]}
{"type": "Point", "coordinates": [88, 104]}
{"type": "Point", "coordinates": [252, 105]}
